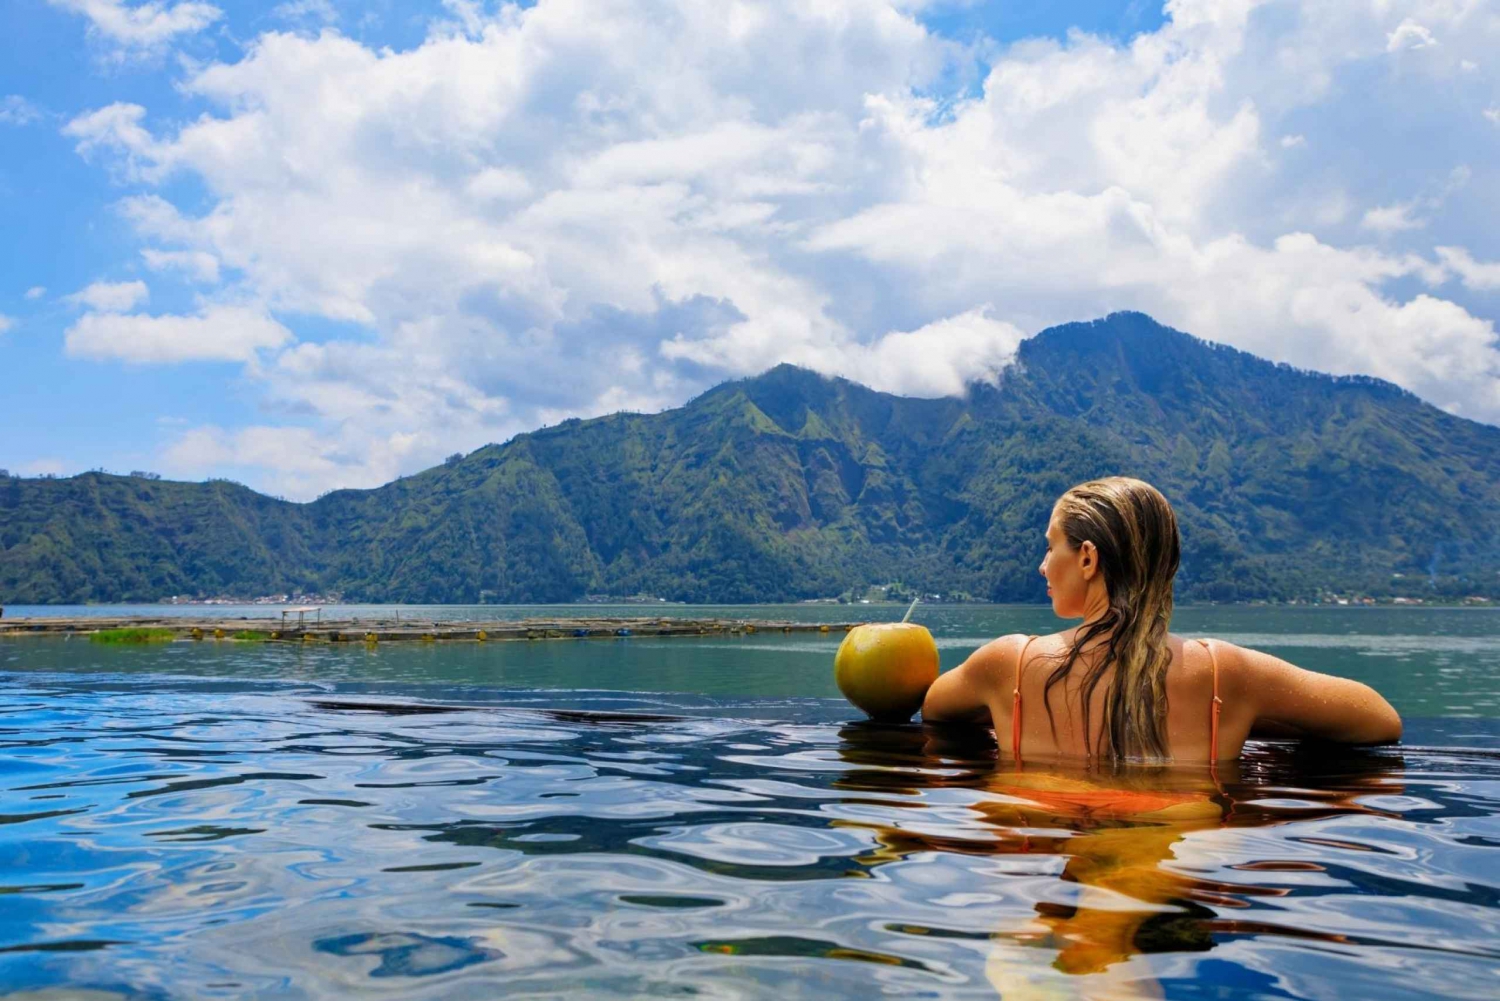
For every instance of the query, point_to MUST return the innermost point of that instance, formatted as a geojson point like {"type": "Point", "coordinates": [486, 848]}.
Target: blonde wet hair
{"type": "Point", "coordinates": [1134, 531]}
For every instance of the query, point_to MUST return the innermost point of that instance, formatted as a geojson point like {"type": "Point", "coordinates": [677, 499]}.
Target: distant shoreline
{"type": "Point", "coordinates": [142, 629]}
{"type": "Point", "coordinates": [218, 609]}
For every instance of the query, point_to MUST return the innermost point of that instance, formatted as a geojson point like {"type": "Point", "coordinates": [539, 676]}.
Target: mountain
{"type": "Point", "coordinates": [792, 485]}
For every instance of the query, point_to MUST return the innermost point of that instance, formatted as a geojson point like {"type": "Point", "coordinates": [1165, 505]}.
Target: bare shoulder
{"type": "Point", "coordinates": [1001, 649]}
{"type": "Point", "coordinates": [1208, 662]}
{"type": "Point", "coordinates": [1285, 696]}
{"type": "Point", "coordinates": [1245, 665]}
{"type": "Point", "coordinates": [964, 692]}
{"type": "Point", "coordinates": [1241, 670]}
{"type": "Point", "coordinates": [1001, 655]}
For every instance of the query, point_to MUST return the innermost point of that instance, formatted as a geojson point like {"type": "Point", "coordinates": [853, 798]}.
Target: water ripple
{"type": "Point", "coordinates": [177, 842]}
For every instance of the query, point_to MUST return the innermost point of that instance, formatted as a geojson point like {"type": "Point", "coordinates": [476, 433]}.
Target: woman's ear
{"type": "Point", "coordinates": [1088, 560]}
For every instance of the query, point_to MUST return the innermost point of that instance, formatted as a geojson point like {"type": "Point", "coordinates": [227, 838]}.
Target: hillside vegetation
{"type": "Point", "coordinates": [791, 485]}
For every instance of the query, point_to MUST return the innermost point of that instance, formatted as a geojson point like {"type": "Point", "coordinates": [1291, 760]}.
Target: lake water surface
{"type": "Point", "coordinates": [229, 820]}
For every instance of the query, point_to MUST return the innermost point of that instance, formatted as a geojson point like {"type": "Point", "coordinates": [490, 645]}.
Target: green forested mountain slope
{"type": "Point", "coordinates": [790, 485]}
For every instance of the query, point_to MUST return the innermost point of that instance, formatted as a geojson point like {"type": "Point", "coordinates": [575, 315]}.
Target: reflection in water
{"type": "Point", "coordinates": [1120, 834]}
{"type": "Point", "coordinates": [403, 954]}
{"type": "Point", "coordinates": [197, 838]}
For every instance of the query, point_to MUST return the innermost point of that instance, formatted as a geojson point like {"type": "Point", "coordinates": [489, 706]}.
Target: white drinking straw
{"type": "Point", "coordinates": [910, 609]}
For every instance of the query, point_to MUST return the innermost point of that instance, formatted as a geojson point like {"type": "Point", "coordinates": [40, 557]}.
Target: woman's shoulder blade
{"type": "Point", "coordinates": [1011, 645]}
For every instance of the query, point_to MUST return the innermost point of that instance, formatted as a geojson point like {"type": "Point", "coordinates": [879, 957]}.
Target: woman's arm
{"type": "Point", "coordinates": [1291, 701]}
{"type": "Point", "coordinates": [963, 694]}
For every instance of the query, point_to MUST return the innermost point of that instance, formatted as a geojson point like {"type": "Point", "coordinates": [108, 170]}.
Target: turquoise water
{"type": "Point", "coordinates": [1428, 661]}
{"type": "Point", "coordinates": [701, 817]}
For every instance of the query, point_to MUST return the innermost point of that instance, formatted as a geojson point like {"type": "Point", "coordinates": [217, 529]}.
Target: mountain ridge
{"type": "Point", "coordinates": [791, 484]}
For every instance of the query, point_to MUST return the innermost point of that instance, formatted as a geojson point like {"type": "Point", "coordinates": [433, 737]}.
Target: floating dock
{"type": "Point", "coordinates": [386, 630]}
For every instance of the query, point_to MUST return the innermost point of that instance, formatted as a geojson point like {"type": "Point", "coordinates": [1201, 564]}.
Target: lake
{"type": "Point", "coordinates": [705, 817]}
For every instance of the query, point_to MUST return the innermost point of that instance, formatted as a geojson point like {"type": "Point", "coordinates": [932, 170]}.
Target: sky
{"type": "Point", "coordinates": [325, 243]}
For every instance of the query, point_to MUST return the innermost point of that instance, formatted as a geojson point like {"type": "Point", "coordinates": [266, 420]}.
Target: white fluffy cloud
{"type": "Point", "coordinates": [16, 110]}
{"type": "Point", "coordinates": [196, 264]}
{"type": "Point", "coordinates": [304, 459]}
{"type": "Point", "coordinates": [1477, 275]}
{"type": "Point", "coordinates": [117, 128]}
{"type": "Point", "coordinates": [6, 323]}
{"type": "Point", "coordinates": [1414, 214]}
{"type": "Point", "coordinates": [112, 297]}
{"type": "Point", "coordinates": [1409, 35]}
{"type": "Point", "coordinates": [1392, 218]}
{"type": "Point", "coordinates": [938, 359]}
{"type": "Point", "coordinates": [586, 206]}
{"type": "Point", "coordinates": [306, 11]}
{"type": "Point", "coordinates": [218, 333]}
{"type": "Point", "coordinates": [36, 292]}
{"type": "Point", "coordinates": [142, 26]}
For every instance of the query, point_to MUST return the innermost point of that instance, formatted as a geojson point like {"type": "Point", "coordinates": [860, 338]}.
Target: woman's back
{"type": "Point", "coordinates": [1190, 685]}
{"type": "Point", "coordinates": [1259, 695]}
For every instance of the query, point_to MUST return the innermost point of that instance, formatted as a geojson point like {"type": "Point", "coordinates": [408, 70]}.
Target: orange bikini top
{"type": "Point", "coordinates": [1015, 709]}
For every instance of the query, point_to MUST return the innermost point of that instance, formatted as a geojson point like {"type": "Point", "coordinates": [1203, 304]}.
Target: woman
{"type": "Point", "coordinates": [1120, 685]}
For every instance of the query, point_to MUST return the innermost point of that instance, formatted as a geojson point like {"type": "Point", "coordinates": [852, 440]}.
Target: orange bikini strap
{"type": "Point", "coordinates": [1218, 704]}
{"type": "Point", "coordinates": [1015, 705]}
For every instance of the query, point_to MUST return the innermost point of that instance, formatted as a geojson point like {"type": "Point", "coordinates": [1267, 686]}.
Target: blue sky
{"type": "Point", "coordinates": [324, 243]}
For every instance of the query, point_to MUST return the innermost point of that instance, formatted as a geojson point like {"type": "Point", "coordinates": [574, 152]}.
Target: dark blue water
{"type": "Point", "coordinates": [698, 818]}
{"type": "Point", "coordinates": [231, 839]}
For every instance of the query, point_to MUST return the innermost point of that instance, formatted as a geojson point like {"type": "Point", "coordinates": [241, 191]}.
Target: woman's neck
{"type": "Point", "coordinates": [1096, 606]}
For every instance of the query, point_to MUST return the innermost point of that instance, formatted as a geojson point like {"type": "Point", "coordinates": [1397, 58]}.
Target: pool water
{"type": "Point", "coordinates": [173, 825]}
